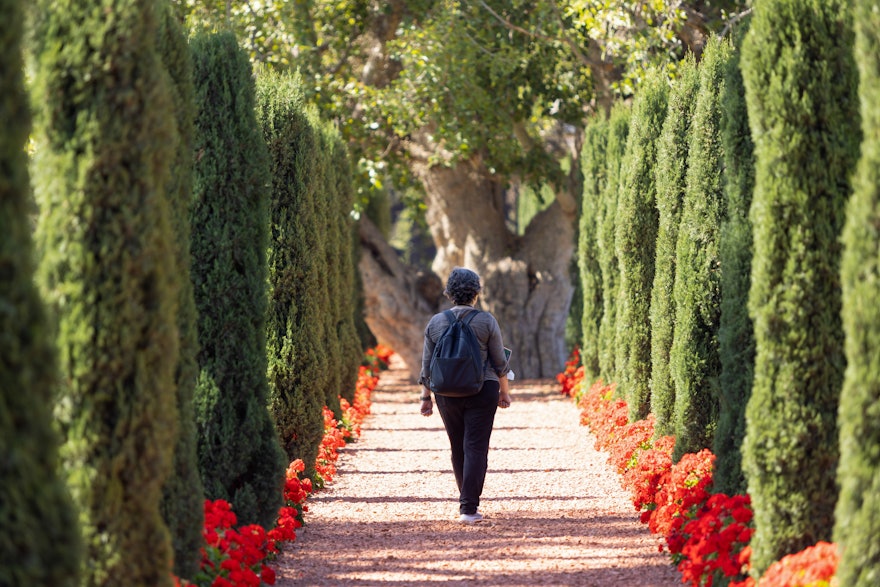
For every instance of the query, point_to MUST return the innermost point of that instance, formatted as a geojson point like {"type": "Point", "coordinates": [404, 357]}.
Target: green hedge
{"type": "Point", "coordinates": [858, 507]}
{"type": "Point", "coordinates": [593, 167]}
{"type": "Point", "coordinates": [801, 81]}
{"type": "Point", "coordinates": [736, 341]}
{"type": "Point", "coordinates": [104, 131]}
{"type": "Point", "coordinates": [618, 129]}
{"type": "Point", "coordinates": [694, 362]}
{"type": "Point", "coordinates": [240, 457]}
{"type": "Point", "coordinates": [40, 544]}
{"type": "Point", "coordinates": [671, 171]}
{"type": "Point", "coordinates": [296, 328]}
{"type": "Point", "coordinates": [635, 239]}
{"type": "Point", "coordinates": [183, 495]}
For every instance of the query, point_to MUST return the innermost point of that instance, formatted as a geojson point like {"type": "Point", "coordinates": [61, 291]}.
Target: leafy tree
{"type": "Point", "coordinates": [104, 127]}
{"type": "Point", "coordinates": [618, 130]}
{"type": "Point", "coordinates": [857, 509]}
{"type": "Point", "coordinates": [635, 238]}
{"type": "Point", "coordinates": [736, 342]}
{"type": "Point", "coordinates": [593, 165]}
{"type": "Point", "coordinates": [40, 544]}
{"type": "Point", "coordinates": [465, 100]}
{"type": "Point", "coordinates": [800, 80]}
{"type": "Point", "coordinates": [693, 359]}
{"type": "Point", "coordinates": [240, 457]}
{"type": "Point", "coordinates": [183, 495]}
{"type": "Point", "coordinates": [671, 171]}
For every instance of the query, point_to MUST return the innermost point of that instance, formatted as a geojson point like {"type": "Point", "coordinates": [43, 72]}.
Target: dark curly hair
{"type": "Point", "coordinates": [462, 286]}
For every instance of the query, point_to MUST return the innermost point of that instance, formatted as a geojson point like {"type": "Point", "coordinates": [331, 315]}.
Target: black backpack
{"type": "Point", "coordinates": [456, 368]}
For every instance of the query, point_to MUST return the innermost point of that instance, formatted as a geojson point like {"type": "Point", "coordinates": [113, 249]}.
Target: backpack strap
{"type": "Point", "coordinates": [470, 317]}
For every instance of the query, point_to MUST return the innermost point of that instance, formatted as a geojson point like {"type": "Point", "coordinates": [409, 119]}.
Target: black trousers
{"type": "Point", "coordinates": [468, 422]}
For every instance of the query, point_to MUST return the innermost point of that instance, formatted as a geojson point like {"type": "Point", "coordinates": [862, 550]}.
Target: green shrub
{"type": "Point", "coordinates": [671, 172]}
{"type": "Point", "coordinates": [105, 130]}
{"type": "Point", "coordinates": [800, 81]}
{"type": "Point", "coordinates": [858, 475]}
{"type": "Point", "coordinates": [618, 129]}
{"type": "Point", "coordinates": [183, 496]}
{"type": "Point", "coordinates": [736, 342]}
{"type": "Point", "coordinates": [240, 458]}
{"type": "Point", "coordinates": [694, 362]}
{"type": "Point", "coordinates": [40, 544]}
{"type": "Point", "coordinates": [344, 291]}
{"type": "Point", "coordinates": [635, 238]}
{"type": "Point", "coordinates": [593, 166]}
{"type": "Point", "coordinates": [296, 325]}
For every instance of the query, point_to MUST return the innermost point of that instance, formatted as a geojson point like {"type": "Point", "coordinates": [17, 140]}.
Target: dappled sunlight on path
{"type": "Point", "coordinates": [555, 512]}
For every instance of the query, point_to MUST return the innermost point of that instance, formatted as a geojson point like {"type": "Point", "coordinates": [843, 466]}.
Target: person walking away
{"type": "Point", "coordinates": [469, 419]}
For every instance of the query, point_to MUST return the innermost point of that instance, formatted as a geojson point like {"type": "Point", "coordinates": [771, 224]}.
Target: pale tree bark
{"type": "Point", "coordinates": [526, 279]}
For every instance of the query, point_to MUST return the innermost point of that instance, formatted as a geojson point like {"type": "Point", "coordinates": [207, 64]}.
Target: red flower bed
{"type": "Point", "coordinates": [706, 534]}
{"type": "Point", "coordinates": [237, 557]}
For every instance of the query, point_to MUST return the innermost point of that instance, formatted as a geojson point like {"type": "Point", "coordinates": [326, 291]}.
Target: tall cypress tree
{"type": "Point", "coordinates": [800, 80]}
{"type": "Point", "coordinates": [671, 172]}
{"type": "Point", "coordinates": [343, 235]}
{"type": "Point", "coordinates": [618, 130]}
{"type": "Point", "coordinates": [240, 458]}
{"type": "Point", "coordinates": [694, 361]}
{"type": "Point", "coordinates": [593, 166]}
{"type": "Point", "coordinates": [736, 342]}
{"type": "Point", "coordinates": [40, 544]}
{"type": "Point", "coordinates": [183, 495]}
{"type": "Point", "coordinates": [857, 513]}
{"type": "Point", "coordinates": [635, 239]}
{"type": "Point", "coordinates": [104, 129]}
{"type": "Point", "coordinates": [325, 206]}
{"type": "Point", "coordinates": [296, 325]}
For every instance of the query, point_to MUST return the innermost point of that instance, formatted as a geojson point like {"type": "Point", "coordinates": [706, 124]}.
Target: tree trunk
{"type": "Point", "coordinates": [526, 279]}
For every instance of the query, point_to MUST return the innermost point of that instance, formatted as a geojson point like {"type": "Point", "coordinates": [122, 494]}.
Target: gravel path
{"type": "Point", "coordinates": [555, 513]}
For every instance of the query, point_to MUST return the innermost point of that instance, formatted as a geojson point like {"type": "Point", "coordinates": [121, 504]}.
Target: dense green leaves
{"type": "Point", "coordinates": [694, 362]}
{"type": "Point", "coordinates": [800, 81]}
{"type": "Point", "coordinates": [671, 175]}
{"type": "Point", "coordinates": [592, 202]}
{"type": "Point", "coordinates": [858, 511]}
{"type": "Point", "coordinates": [736, 343]}
{"type": "Point", "coordinates": [40, 544]}
{"type": "Point", "coordinates": [480, 77]}
{"type": "Point", "coordinates": [618, 130]}
{"type": "Point", "coordinates": [296, 333]}
{"type": "Point", "coordinates": [183, 496]}
{"type": "Point", "coordinates": [240, 458]}
{"type": "Point", "coordinates": [104, 127]}
{"type": "Point", "coordinates": [635, 237]}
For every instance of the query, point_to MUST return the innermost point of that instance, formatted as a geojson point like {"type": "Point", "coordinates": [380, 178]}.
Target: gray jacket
{"type": "Point", "coordinates": [488, 333]}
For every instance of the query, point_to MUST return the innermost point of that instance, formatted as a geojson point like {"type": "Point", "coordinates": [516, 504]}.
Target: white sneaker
{"type": "Point", "coordinates": [471, 518]}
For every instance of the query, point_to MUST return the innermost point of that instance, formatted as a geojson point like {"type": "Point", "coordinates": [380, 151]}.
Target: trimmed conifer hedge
{"type": "Point", "coordinates": [635, 239]}
{"type": "Point", "coordinates": [736, 341]}
{"type": "Point", "coordinates": [618, 130]}
{"type": "Point", "coordinates": [343, 233]}
{"type": "Point", "coordinates": [240, 457]}
{"type": "Point", "coordinates": [858, 507]}
{"type": "Point", "coordinates": [593, 169]}
{"type": "Point", "coordinates": [800, 80]}
{"type": "Point", "coordinates": [296, 332]}
{"type": "Point", "coordinates": [105, 127]}
{"type": "Point", "coordinates": [671, 172]}
{"type": "Point", "coordinates": [693, 359]}
{"type": "Point", "coordinates": [183, 495]}
{"type": "Point", "coordinates": [40, 544]}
